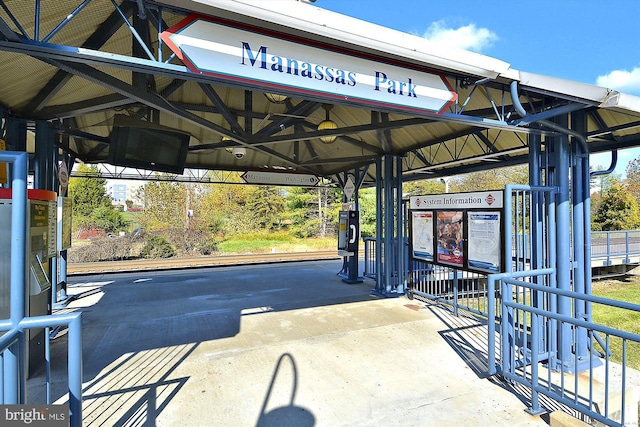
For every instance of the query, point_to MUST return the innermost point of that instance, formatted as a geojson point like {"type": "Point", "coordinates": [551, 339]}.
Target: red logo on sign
{"type": "Point", "coordinates": [490, 199]}
{"type": "Point", "coordinates": [417, 202]}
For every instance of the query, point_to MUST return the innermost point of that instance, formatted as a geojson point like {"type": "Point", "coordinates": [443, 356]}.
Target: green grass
{"type": "Point", "coordinates": [627, 290]}
{"type": "Point", "coordinates": [268, 242]}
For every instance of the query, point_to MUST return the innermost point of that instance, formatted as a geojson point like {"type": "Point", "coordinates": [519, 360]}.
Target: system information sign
{"type": "Point", "coordinates": [459, 230]}
{"type": "Point", "coordinates": [245, 54]}
{"type": "Point", "coordinates": [476, 200]}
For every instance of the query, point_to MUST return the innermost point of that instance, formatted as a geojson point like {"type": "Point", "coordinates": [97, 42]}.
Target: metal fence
{"type": "Point", "coordinates": [606, 245]}
{"type": "Point", "coordinates": [12, 352]}
{"type": "Point", "coordinates": [457, 288]}
{"type": "Point", "coordinates": [601, 386]}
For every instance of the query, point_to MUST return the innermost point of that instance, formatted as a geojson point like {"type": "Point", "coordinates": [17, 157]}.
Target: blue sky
{"type": "Point", "coordinates": [590, 41]}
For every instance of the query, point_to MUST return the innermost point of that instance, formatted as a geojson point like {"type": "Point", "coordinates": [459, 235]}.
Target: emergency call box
{"type": "Point", "coordinates": [348, 233]}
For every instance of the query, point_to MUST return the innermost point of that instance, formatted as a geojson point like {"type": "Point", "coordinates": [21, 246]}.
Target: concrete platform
{"type": "Point", "coordinates": [274, 345]}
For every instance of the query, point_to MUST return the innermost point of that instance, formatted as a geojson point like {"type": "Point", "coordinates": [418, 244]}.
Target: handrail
{"type": "Point", "coordinates": [74, 371]}
{"type": "Point", "coordinates": [516, 353]}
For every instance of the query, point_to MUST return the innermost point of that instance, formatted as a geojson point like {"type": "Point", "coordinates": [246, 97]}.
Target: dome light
{"type": "Point", "coordinates": [327, 124]}
{"type": "Point", "coordinates": [275, 98]}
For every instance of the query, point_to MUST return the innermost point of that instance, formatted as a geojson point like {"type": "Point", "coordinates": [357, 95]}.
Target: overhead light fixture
{"type": "Point", "coordinates": [275, 98]}
{"type": "Point", "coordinates": [327, 124]}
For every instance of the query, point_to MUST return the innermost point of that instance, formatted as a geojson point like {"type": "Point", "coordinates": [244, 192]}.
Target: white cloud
{"type": "Point", "coordinates": [468, 37]}
{"type": "Point", "coordinates": [622, 80]}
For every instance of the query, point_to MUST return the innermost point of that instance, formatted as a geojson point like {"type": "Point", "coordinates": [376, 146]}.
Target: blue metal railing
{"type": "Point", "coordinates": [521, 352]}
{"type": "Point", "coordinates": [13, 377]}
{"type": "Point", "coordinates": [607, 245]}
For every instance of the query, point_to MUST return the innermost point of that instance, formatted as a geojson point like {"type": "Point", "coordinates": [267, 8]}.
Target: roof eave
{"type": "Point", "coordinates": [360, 35]}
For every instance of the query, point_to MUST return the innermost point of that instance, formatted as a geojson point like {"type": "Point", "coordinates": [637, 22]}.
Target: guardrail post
{"type": "Point", "coordinates": [75, 371]}
{"type": "Point", "coordinates": [507, 342]}
{"type": "Point", "coordinates": [626, 247]}
{"type": "Point", "coordinates": [455, 283]}
{"type": "Point", "coordinates": [491, 325]}
{"type": "Point", "coordinates": [535, 351]}
{"type": "Point", "coordinates": [14, 370]}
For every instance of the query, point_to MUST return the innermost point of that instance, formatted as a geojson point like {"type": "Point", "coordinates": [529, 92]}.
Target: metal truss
{"type": "Point", "coordinates": [107, 171]}
{"type": "Point", "coordinates": [194, 176]}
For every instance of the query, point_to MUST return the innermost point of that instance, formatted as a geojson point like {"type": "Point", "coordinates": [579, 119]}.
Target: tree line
{"type": "Point", "coordinates": [193, 217]}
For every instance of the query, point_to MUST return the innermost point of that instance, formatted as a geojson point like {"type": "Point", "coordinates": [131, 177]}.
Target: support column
{"type": "Point", "coordinates": [44, 157]}
{"type": "Point", "coordinates": [400, 244]}
{"type": "Point", "coordinates": [389, 245]}
{"type": "Point", "coordinates": [379, 288]}
{"type": "Point", "coordinates": [581, 231]}
{"type": "Point", "coordinates": [563, 241]}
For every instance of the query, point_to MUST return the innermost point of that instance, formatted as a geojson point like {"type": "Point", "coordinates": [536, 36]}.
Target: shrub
{"type": "Point", "coordinates": [207, 247]}
{"type": "Point", "coordinates": [157, 247]}
{"type": "Point", "coordinates": [101, 249]}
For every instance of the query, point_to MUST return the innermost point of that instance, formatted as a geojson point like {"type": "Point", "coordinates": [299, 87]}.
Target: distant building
{"type": "Point", "coordinates": [120, 193]}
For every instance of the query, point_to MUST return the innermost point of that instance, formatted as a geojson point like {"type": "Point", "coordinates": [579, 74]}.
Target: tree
{"type": "Point", "coordinates": [176, 211]}
{"type": "Point", "coordinates": [266, 205]}
{"type": "Point", "coordinates": [91, 204]}
{"type": "Point", "coordinates": [313, 212]}
{"type": "Point", "coordinates": [618, 210]}
{"type": "Point", "coordinates": [422, 187]}
{"type": "Point", "coordinates": [164, 205]}
{"type": "Point", "coordinates": [87, 194]}
{"type": "Point", "coordinates": [109, 219]}
{"type": "Point", "coordinates": [368, 210]}
{"type": "Point", "coordinates": [491, 179]}
{"type": "Point", "coordinates": [633, 178]}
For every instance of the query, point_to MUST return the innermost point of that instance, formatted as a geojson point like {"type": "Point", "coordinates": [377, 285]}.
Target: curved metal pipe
{"type": "Point", "coordinates": [515, 99]}
{"type": "Point", "coordinates": [520, 110]}
{"type": "Point", "coordinates": [614, 163]}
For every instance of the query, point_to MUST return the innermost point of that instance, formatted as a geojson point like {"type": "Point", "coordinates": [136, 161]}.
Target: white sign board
{"type": "Point", "coordinates": [422, 235]}
{"type": "Point", "coordinates": [484, 241]}
{"type": "Point", "coordinates": [349, 188]}
{"type": "Point", "coordinates": [277, 178]}
{"type": "Point", "coordinates": [259, 57]}
{"type": "Point", "coordinates": [477, 200]}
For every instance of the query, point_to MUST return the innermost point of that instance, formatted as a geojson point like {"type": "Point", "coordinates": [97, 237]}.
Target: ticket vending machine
{"type": "Point", "coordinates": [348, 243]}
{"type": "Point", "coordinates": [41, 247]}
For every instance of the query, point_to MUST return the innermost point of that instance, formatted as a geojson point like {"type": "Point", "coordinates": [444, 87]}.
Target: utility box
{"type": "Point", "coordinates": [40, 248]}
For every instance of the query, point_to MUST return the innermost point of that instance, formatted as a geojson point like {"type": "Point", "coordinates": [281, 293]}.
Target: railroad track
{"type": "Point", "coordinates": [204, 261]}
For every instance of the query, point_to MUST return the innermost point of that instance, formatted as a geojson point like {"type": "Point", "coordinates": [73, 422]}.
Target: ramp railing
{"type": "Point", "coordinates": [13, 361]}
{"type": "Point", "coordinates": [610, 245]}
{"type": "Point", "coordinates": [602, 386]}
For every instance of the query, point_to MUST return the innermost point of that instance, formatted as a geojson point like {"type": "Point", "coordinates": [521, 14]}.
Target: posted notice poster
{"type": "Point", "coordinates": [422, 235]}
{"type": "Point", "coordinates": [449, 232]}
{"type": "Point", "coordinates": [484, 241]}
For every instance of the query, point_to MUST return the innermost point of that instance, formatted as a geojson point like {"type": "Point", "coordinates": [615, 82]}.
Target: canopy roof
{"type": "Point", "coordinates": [79, 64]}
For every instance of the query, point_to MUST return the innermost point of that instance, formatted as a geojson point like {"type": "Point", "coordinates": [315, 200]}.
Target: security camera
{"type": "Point", "coordinates": [239, 152]}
